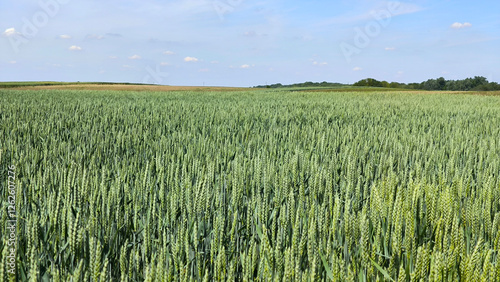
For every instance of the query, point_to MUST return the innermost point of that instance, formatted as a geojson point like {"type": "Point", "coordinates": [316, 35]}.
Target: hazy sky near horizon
{"type": "Point", "coordinates": [247, 43]}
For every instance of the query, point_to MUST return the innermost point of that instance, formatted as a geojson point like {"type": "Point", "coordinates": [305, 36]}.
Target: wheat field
{"type": "Point", "coordinates": [251, 185]}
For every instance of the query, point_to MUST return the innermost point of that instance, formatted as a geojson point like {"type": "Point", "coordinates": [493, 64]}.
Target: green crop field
{"type": "Point", "coordinates": [261, 185]}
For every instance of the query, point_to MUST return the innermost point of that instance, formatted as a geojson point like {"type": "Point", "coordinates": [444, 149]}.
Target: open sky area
{"type": "Point", "coordinates": [248, 43]}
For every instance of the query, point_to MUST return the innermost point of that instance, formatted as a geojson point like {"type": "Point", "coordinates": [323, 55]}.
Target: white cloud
{"type": "Point", "coordinates": [190, 59]}
{"type": "Point", "coordinates": [320, 64]}
{"type": "Point", "coordinates": [460, 25]}
{"type": "Point", "coordinates": [113, 57]}
{"type": "Point", "coordinates": [65, 36]}
{"type": "Point", "coordinates": [214, 62]}
{"type": "Point", "coordinates": [357, 69]}
{"type": "Point", "coordinates": [10, 32]}
{"type": "Point", "coordinates": [164, 64]}
{"type": "Point", "coordinates": [135, 57]}
{"type": "Point", "coordinates": [12, 62]}
{"type": "Point", "coordinates": [168, 53]}
{"type": "Point", "coordinates": [245, 66]}
{"type": "Point", "coordinates": [75, 48]}
{"type": "Point", "coordinates": [390, 48]}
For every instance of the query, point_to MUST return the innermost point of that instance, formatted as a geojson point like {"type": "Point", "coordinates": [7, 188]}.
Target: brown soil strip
{"type": "Point", "coordinates": [118, 87]}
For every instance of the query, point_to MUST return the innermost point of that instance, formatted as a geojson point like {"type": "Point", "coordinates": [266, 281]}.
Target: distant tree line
{"type": "Point", "coordinates": [478, 83]}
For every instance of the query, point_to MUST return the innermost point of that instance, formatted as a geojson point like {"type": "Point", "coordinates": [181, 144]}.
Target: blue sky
{"type": "Point", "coordinates": [247, 43]}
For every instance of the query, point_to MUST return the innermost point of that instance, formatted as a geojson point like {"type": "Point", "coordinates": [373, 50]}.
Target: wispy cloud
{"type": "Point", "coordinates": [135, 57]}
{"type": "Point", "coordinates": [168, 53]}
{"type": "Point", "coordinates": [94, 36]}
{"type": "Point", "coordinates": [382, 10]}
{"type": "Point", "coordinates": [65, 36]}
{"type": "Point", "coordinates": [190, 6]}
{"type": "Point", "coordinates": [113, 35]}
{"type": "Point", "coordinates": [250, 33]}
{"type": "Point", "coordinates": [458, 25]}
{"type": "Point", "coordinates": [100, 37]}
{"type": "Point", "coordinates": [472, 41]}
{"type": "Point", "coordinates": [390, 48]}
{"type": "Point", "coordinates": [405, 8]}
{"type": "Point", "coordinates": [357, 69]}
{"type": "Point", "coordinates": [320, 63]}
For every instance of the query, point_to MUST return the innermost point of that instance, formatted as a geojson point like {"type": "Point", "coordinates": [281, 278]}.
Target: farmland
{"type": "Point", "coordinates": [266, 185]}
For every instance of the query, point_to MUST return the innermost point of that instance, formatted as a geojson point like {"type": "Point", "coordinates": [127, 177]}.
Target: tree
{"type": "Point", "coordinates": [369, 82]}
{"type": "Point", "coordinates": [441, 83]}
